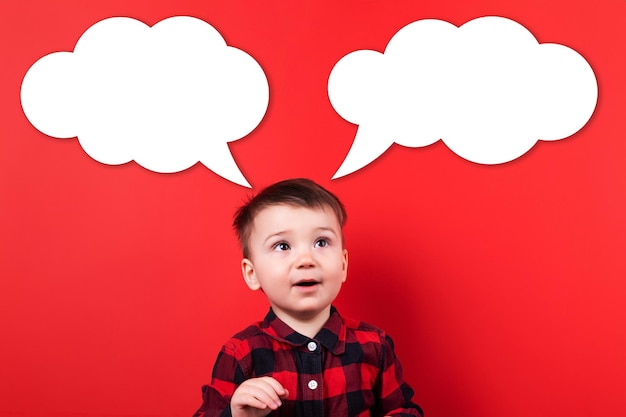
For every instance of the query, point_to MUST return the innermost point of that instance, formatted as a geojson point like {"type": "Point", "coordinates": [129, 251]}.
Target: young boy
{"type": "Point", "coordinates": [304, 359]}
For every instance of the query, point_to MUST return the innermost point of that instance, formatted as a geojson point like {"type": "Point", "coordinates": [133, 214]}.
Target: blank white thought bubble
{"type": "Point", "coordinates": [488, 89]}
{"type": "Point", "coordinates": [165, 96]}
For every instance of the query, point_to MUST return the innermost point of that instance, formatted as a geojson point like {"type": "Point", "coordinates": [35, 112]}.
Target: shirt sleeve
{"type": "Point", "coordinates": [395, 394]}
{"type": "Point", "coordinates": [227, 375]}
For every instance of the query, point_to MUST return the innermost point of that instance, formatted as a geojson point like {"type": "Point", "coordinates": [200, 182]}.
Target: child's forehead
{"type": "Point", "coordinates": [282, 207]}
{"type": "Point", "coordinates": [279, 212]}
{"type": "Point", "coordinates": [288, 219]}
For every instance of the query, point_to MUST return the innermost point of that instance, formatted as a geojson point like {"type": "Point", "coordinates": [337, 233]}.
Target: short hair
{"type": "Point", "coordinates": [298, 192]}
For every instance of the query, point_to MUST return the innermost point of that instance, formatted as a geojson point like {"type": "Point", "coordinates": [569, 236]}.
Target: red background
{"type": "Point", "coordinates": [503, 286]}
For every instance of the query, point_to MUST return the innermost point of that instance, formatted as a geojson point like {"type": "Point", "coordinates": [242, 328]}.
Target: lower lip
{"type": "Point", "coordinates": [307, 288]}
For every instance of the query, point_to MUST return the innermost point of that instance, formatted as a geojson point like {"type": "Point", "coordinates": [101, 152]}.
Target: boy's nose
{"type": "Point", "coordinates": [305, 259]}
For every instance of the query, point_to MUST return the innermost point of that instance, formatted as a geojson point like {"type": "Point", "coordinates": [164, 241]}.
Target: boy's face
{"type": "Point", "coordinates": [298, 260]}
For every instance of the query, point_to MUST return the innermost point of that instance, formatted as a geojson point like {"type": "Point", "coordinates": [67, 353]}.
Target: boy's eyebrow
{"type": "Point", "coordinates": [283, 232]}
{"type": "Point", "coordinates": [327, 229]}
{"type": "Point", "coordinates": [276, 234]}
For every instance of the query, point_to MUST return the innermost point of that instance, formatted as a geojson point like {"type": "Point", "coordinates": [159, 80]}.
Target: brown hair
{"type": "Point", "coordinates": [299, 192]}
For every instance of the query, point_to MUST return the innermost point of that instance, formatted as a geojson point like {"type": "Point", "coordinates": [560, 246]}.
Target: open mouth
{"type": "Point", "coordinates": [306, 283]}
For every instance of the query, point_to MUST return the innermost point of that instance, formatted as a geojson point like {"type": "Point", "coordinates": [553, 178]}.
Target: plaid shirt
{"type": "Point", "coordinates": [348, 369]}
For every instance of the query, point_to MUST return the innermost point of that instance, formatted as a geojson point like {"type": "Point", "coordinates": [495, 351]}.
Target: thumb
{"type": "Point", "coordinates": [285, 394]}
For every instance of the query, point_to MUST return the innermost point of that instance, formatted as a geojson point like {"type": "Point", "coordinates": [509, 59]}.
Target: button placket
{"type": "Point", "coordinates": [310, 358]}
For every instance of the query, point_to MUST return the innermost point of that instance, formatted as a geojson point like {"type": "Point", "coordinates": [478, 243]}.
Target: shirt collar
{"type": "Point", "coordinates": [332, 336]}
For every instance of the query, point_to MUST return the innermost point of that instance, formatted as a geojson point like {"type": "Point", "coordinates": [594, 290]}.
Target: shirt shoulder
{"type": "Point", "coordinates": [243, 341]}
{"type": "Point", "coordinates": [363, 332]}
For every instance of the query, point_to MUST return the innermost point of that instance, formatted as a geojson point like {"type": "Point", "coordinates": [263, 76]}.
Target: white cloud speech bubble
{"type": "Point", "coordinates": [165, 96]}
{"type": "Point", "coordinates": [488, 89]}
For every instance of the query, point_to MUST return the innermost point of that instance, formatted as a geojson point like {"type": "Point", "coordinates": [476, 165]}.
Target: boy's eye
{"type": "Point", "coordinates": [281, 246]}
{"type": "Point", "coordinates": [321, 243]}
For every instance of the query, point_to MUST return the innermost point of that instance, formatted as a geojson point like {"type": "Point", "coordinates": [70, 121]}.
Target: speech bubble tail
{"type": "Point", "coordinates": [367, 146]}
{"type": "Point", "coordinates": [219, 160]}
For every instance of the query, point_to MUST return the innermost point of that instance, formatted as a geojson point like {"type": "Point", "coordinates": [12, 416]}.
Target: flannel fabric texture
{"type": "Point", "coordinates": [348, 369]}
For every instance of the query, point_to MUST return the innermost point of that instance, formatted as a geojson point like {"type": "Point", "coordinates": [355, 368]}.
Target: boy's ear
{"type": "Point", "coordinates": [345, 265]}
{"type": "Point", "coordinates": [249, 274]}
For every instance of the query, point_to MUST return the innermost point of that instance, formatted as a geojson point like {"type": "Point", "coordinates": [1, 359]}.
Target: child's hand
{"type": "Point", "coordinates": [257, 397]}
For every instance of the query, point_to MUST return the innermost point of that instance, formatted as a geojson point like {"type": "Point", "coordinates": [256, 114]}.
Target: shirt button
{"type": "Point", "coordinates": [312, 384]}
{"type": "Point", "coordinates": [311, 346]}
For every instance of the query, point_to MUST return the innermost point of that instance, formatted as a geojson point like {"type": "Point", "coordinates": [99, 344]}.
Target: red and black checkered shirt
{"type": "Point", "coordinates": [348, 369]}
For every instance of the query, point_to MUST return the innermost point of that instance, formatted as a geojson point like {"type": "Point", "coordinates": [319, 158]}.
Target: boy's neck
{"type": "Point", "coordinates": [308, 326]}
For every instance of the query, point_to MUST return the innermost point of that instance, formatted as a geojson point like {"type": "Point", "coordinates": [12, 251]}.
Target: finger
{"type": "Point", "coordinates": [276, 386]}
{"type": "Point", "coordinates": [249, 406]}
{"type": "Point", "coordinates": [271, 400]}
{"type": "Point", "coordinates": [252, 402]}
{"type": "Point", "coordinates": [263, 392]}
